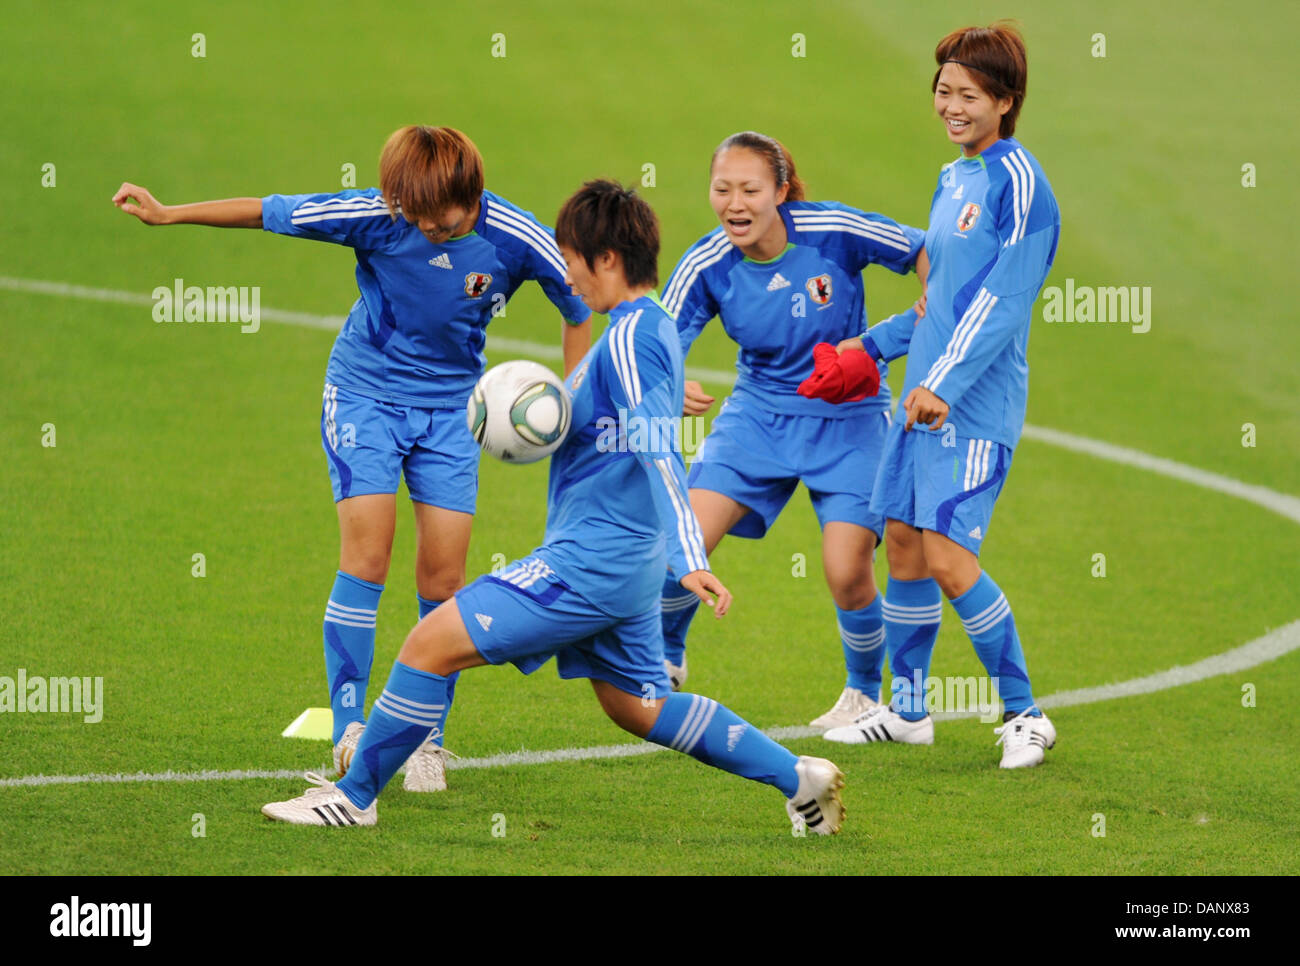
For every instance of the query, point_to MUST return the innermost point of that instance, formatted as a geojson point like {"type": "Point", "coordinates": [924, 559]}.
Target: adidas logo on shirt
{"type": "Point", "coordinates": [484, 621]}
{"type": "Point", "coordinates": [778, 281]}
{"type": "Point", "coordinates": [976, 533]}
{"type": "Point", "coordinates": [733, 735]}
{"type": "Point", "coordinates": [442, 261]}
{"type": "Point", "coordinates": [956, 195]}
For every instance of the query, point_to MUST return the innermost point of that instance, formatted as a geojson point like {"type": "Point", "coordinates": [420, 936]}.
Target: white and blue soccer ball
{"type": "Point", "coordinates": [519, 412]}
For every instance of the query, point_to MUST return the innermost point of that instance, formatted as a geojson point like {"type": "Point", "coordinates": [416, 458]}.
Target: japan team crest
{"type": "Point", "coordinates": [966, 220]}
{"type": "Point", "coordinates": [819, 287]}
{"type": "Point", "coordinates": [476, 283]}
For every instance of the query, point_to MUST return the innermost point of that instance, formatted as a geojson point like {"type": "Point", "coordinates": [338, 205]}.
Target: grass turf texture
{"type": "Point", "coordinates": [176, 439]}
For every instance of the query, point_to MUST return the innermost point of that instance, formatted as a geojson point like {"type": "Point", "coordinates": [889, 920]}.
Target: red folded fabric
{"type": "Point", "coordinates": [861, 377]}
{"type": "Point", "coordinates": [841, 377]}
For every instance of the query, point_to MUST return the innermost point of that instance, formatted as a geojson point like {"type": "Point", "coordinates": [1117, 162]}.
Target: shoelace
{"type": "Point", "coordinates": [866, 716]}
{"type": "Point", "coordinates": [438, 750]}
{"type": "Point", "coordinates": [1016, 731]}
{"type": "Point", "coordinates": [320, 782]}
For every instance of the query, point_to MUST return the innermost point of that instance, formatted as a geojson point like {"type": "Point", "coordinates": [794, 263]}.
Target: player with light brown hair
{"type": "Point", "coordinates": [438, 256]}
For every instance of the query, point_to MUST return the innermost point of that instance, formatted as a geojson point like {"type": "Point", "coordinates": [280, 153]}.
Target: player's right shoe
{"type": "Point", "coordinates": [816, 803]}
{"type": "Point", "coordinates": [882, 723]}
{"type": "Point", "coordinates": [852, 704]}
{"type": "Point", "coordinates": [676, 674]}
{"type": "Point", "coordinates": [347, 747]}
{"type": "Point", "coordinates": [322, 805]}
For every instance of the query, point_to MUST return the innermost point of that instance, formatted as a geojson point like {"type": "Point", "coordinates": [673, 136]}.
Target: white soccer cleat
{"type": "Point", "coordinates": [676, 675]}
{"type": "Point", "coordinates": [882, 723]}
{"type": "Point", "coordinates": [852, 704]}
{"type": "Point", "coordinates": [322, 805]}
{"type": "Point", "coordinates": [816, 804]}
{"type": "Point", "coordinates": [1025, 740]}
{"type": "Point", "coordinates": [426, 769]}
{"type": "Point", "coordinates": [347, 747]}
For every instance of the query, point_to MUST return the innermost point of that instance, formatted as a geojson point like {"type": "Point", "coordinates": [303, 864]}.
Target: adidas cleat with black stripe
{"type": "Point", "coordinates": [1025, 739]}
{"type": "Point", "coordinates": [322, 805]}
{"type": "Point", "coordinates": [816, 804]}
{"type": "Point", "coordinates": [883, 723]}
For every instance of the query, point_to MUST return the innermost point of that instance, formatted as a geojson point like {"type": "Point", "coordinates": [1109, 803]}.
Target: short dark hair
{"type": "Point", "coordinates": [603, 216]}
{"type": "Point", "coordinates": [1001, 68]}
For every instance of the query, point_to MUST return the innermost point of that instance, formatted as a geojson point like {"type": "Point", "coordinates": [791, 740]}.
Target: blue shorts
{"type": "Point", "coordinates": [941, 482]}
{"type": "Point", "coordinates": [526, 613]}
{"type": "Point", "coordinates": [758, 457]}
{"type": "Point", "coordinates": [372, 444]}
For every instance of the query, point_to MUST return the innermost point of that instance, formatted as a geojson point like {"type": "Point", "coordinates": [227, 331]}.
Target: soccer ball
{"type": "Point", "coordinates": [519, 412]}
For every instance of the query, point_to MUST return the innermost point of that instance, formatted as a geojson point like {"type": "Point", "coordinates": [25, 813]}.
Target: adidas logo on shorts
{"type": "Point", "coordinates": [484, 621]}
{"type": "Point", "coordinates": [442, 261]}
{"type": "Point", "coordinates": [977, 534]}
{"type": "Point", "coordinates": [778, 281]}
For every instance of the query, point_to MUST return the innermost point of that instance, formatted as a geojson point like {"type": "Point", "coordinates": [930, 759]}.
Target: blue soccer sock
{"type": "Point", "coordinates": [678, 607]}
{"type": "Point", "coordinates": [350, 647]}
{"type": "Point", "coordinates": [911, 611]}
{"type": "Point", "coordinates": [715, 735]}
{"type": "Point", "coordinates": [862, 635]}
{"type": "Point", "coordinates": [986, 615]}
{"type": "Point", "coordinates": [427, 607]}
{"type": "Point", "coordinates": [409, 710]}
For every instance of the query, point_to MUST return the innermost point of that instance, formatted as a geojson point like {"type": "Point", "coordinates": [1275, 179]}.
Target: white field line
{"type": "Point", "coordinates": [1269, 647]}
{"type": "Point", "coordinates": [1259, 651]}
{"type": "Point", "coordinates": [331, 323]}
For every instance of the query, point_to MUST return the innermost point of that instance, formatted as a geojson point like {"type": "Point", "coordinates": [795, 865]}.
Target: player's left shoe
{"type": "Point", "coordinates": [426, 769]}
{"type": "Point", "coordinates": [322, 805]}
{"type": "Point", "coordinates": [1025, 739]}
{"type": "Point", "coordinates": [851, 704]}
{"type": "Point", "coordinates": [347, 747]}
{"type": "Point", "coordinates": [816, 803]}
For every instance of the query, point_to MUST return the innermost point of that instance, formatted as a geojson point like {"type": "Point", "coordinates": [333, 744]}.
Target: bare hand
{"type": "Point", "coordinates": [854, 343]}
{"type": "Point", "coordinates": [146, 207]}
{"type": "Point", "coordinates": [924, 407]}
{"type": "Point", "coordinates": [703, 584]}
{"type": "Point", "coordinates": [920, 307]}
{"type": "Point", "coordinates": [697, 400]}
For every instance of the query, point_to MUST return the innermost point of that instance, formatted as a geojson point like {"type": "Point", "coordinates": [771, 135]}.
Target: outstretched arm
{"type": "Point", "coordinates": [229, 213]}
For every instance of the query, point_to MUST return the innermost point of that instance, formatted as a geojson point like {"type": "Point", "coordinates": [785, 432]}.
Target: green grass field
{"type": "Point", "coordinates": [178, 439]}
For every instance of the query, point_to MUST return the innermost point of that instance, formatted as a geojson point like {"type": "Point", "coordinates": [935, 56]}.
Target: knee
{"type": "Point", "coordinates": [906, 556]}
{"type": "Point", "coordinates": [440, 587]}
{"type": "Point", "coordinates": [851, 588]}
{"type": "Point", "coordinates": [954, 572]}
{"type": "Point", "coordinates": [439, 580]}
{"type": "Point", "coordinates": [945, 574]}
{"type": "Point", "coordinates": [371, 566]}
